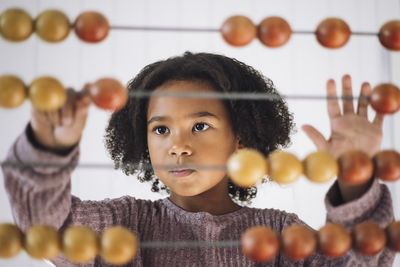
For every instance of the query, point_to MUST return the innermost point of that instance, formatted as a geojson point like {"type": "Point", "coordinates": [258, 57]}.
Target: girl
{"type": "Point", "coordinates": [186, 131]}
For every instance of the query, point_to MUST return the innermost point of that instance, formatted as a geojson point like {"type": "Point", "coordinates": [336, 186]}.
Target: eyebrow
{"type": "Point", "coordinates": [194, 115]}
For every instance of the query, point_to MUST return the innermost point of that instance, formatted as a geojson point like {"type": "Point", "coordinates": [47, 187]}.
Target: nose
{"type": "Point", "coordinates": [180, 147]}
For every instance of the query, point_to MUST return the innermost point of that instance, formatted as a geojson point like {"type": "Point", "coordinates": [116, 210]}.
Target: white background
{"type": "Point", "coordinates": [302, 66]}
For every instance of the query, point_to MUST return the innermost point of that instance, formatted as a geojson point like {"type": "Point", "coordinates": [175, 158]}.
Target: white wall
{"type": "Point", "coordinates": [302, 66]}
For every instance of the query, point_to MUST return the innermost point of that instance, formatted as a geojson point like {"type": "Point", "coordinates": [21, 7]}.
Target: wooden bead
{"type": "Point", "coordinates": [246, 167]}
{"type": "Point", "coordinates": [284, 167]}
{"type": "Point", "coordinates": [118, 245]}
{"type": "Point", "coordinates": [42, 242]}
{"type": "Point", "coordinates": [260, 243]}
{"type": "Point", "coordinates": [389, 35]}
{"type": "Point", "coordinates": [79, 244]}
{"type": "Point", "coordinates": [368, 238]}
{"type": "Point", "coordinates": [355, 167]}
{"type": "Point", "coordinates": [16, 25]}
{"type": "Point", "coordinates": [11, 240]}
{"type": "Point", "coordinates": [47, 94]}
{"type": "Point", "coordinates": [387, 165]}
{"type": "Point", "coordinates": [333, 33]}
{"type": "Point", "coordinates": [108, 94]}
{"type": "Point", "coordinates": [393, 236]}
{"type": "Point", "coordinates": [238, 30]}
{"type": "Point", "coordinates": [52, 26]}
{"type": "Point", "coordinates": [274, 31]}
{"type": "Point", "coordinates": [298, 242]}
{"type": "Point", "coordinates": [333, 240]}
{"type": "Point", "coordinates": [320, 166]}
{"type": "Point", "coordinates": [385, 98]}
{"type": "Point", "coordinates": [91, 26]}
{"type": "Point", "coordinates": [12, 91]}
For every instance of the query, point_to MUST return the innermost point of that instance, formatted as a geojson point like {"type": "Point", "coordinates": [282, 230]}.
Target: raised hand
{"type": "Point", "coordinates": [350, 129]}
{"type": "Point", "coordinates": [61, 129]}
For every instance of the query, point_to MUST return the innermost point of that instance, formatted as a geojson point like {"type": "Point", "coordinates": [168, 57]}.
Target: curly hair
{"type": "Point", "coordinates": [262, 125]}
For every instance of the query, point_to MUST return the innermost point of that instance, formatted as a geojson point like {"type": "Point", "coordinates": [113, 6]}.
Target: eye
{"type": "Point", "coordinates": [198, 127]}
{"type": "Point", "coordinates": [160, 130]}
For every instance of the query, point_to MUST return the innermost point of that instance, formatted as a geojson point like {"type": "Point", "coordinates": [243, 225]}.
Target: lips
{"type": "Point", "coordinates": [182, 172]}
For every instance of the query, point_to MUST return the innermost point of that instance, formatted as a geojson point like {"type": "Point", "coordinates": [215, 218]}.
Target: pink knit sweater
{"type": "Point", "coordinates": [42, 195]}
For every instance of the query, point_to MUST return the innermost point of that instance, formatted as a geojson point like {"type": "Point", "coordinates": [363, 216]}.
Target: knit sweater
{"type": "Point", "coordinates": [42, 195]}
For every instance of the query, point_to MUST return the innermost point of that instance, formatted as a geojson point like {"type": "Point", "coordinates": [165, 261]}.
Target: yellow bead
{"type": "Point", "coordinates": [246, 167]}
{"type": "Point", "coordinates": [12, 91]}
{"type": "Point", "coordinates": [16, 25]}
{"type": "Point", "coordinates": [52, 26]}
{"type": "Point", "coordinates": [320, 166]}
{"type": "Point", "coordinates": [11, 240]}
{"type": "Point", "coordinates": [79, 244]}
{"type": "Point", "coordinates": [42, 242]}
{"type": "Point", "coordinates": [47, 94]}
{"type": "Point", "coordinates": [118, 245]}
{"type": "Point", "coordinates": [284, 167]}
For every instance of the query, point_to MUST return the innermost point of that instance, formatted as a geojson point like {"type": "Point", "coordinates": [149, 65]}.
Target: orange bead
{"type": "Point", "coordinates": [91, 27]}
{"type": "Point", "coordinates": [16, 25]}
{"type": "Point", "coordinates": [333, 33]}
{"type": "Point", "coordinates": [298, 242]}
{"type": "Point", "coordinates": [246, 167]}
{"type": "Point", "coordinates": [333, 240]}
{"type": "Point", "coordinates": [389, 35]}
{"type": "Point", "coordinates": [42, 242]}
{"type": "Point", "coordinates": [11, 240]}
{"type": "Point", "coordinates": [393, 236]}
{"type": "Point", "coordinates": [108, 94]}
{"type": "Point", "coordinates": [368, 238]}
{"type": "Point", "coordinates": [47, 94]}
{"type": "Point", "coordinates": [260, 243]}
{"type": "Point", "coordinates": [385, 98]}
{"type": "Point", "coordinates": [284, 167]}
{"type": "Point", "coordinates": [118, 245]}
{"type": "Point", "coordinates": [274, 31]}
{"type": "Point", "coordinates": [79, 244]}
{"type": "Point", "coordinates": [355, 167]}
{"type": "Point", "coordinates": [52, 26]}
{"type": "Point", "coordinates": [387, 165]}
{"type": "Point", "coordinates": [12, 91]}
{"type": "Point", "coordinates": [320, 166]}
{"type": "Point", "coordinates": [238, 30]}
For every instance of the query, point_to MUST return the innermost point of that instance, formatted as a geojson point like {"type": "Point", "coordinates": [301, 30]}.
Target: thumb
{"type": "Point", "coordinates": [316, 137]}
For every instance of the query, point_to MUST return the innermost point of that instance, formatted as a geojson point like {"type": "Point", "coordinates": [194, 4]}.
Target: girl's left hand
{"type": "Point", "coordinates": [350, 130]}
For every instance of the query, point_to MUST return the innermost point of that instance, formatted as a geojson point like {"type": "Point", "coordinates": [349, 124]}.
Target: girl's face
{"type": "Point", "coordinates": [189, 131]}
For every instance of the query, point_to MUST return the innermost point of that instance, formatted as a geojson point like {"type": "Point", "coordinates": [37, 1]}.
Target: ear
{"type": "Point", "coordinates": [239, 144]}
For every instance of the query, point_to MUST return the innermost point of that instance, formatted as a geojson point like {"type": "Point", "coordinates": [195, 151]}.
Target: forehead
{"type": "Point", "coordinates": [161, 105]}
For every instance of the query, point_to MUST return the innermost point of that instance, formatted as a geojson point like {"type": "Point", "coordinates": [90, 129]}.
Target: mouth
{"type": "Point", "coordinates": [182, 172]}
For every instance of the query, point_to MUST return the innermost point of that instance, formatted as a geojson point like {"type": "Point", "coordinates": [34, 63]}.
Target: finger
{"type": "Point", "coordinates": [362, 107]}
{"type": "Point", "coordinates": [68, 110]}
{"type": "Point", "coordinates": [378, 120]}
{"type": "Point", "coordinates": [332, 102]}
{"type": "Point", "coordinates": [347, 92]}
{"type": "Point", "coordinates": [39, 116]}
{"type": "Point", "coordinates": [54, 117]}
{"type": "Point", "coordinates": [316, 137]}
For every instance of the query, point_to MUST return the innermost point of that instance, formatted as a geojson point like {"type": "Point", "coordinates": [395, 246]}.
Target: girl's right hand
{"type": "Point", "coordinates": [62, 129]}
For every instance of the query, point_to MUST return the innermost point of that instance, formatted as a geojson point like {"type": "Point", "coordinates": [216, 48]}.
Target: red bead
{"type": "Point", "coordinates": [368, 238]}
{"type": "Point", "coordinates": [333, 240]}
{"type": "Point", "coordinates": [298, 242]}
{"type": "Point", "coordinates": [274, 31]}
{"type": "Point", "coordinates": [91, 27]}
{"type": "Point", "coordinates": [108, 94]}
{"type": "Point", "coordinates": [393, 235]}
{"type": "Point", "coordinates": [355, 167]}
{"type": "Point", "coordinates": [238, 30]}
{"type": "Point", "coordinates": [333, 33]}
{"type": "Point", "coordinates": [385, 98]}
{"type": "Point", "coordinates": [260, 243]}
{"type": "Point", "coordinates": [387, 165]}
{"type": "Point", "coordinates": [389, 35]}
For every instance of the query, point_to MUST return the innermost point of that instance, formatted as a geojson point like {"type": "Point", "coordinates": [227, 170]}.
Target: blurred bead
{"type": "Point", "coordinates": [333, 33]}
{"type": "Point", "coordinates": [389, 35]}
{"type": "Point", "coordinates": [246, 167]}
{"type": "Point", "coordinates": [79, 244]}
{"type": "Point", "coordinates": [274, 31]}
{"type": "Point", "coordinates": [47, 94]}
{"type": "Point", "coordinates": [298, 242]}
{"type": "Point", "coordinates": [368, 238]}
{"type": "Point", "coordinates": [108, 94]}
{"type": "Point", "coordinates": [333, 240]}
{"type": "Point", "coordinates": [393, 236]}
{"type": "Point", "coordinates": [12, 91]}
{"type": "Point", "coordinates": [238, 30]}
{"type": "Point", "coordinates": [52, 26]}
{"type": "Point", "coordinates": [16, 25]}
{"type": "Point", "coordinates": [385, 98]}
{"type": "Point", "coordinates": [91, 26]}
{"type": "Point", "coordinates": [284, 167]}
{"type": "Point", "coordinates": [387, 165]}
{"type": "Point", "coordinates": [260, 243]}
{"type": "Point", "coordinates": [42, 242]}
{"type": "Point", "coordinates": [320, 167]}
{"type": "Point", "coordinates": [355, 167]}
{"type": "Point", "coordinates": [11, 240]}
{"type": "Point", "coordinates": [118, 245]}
